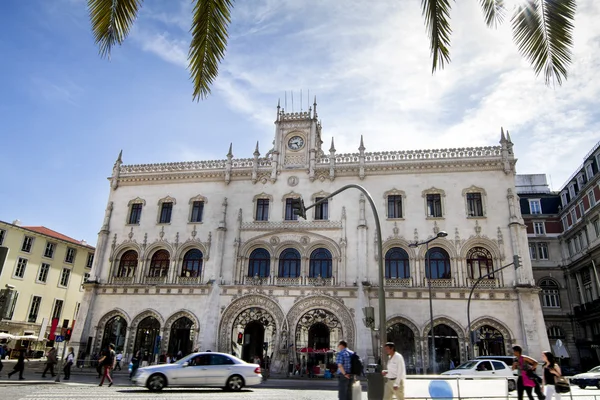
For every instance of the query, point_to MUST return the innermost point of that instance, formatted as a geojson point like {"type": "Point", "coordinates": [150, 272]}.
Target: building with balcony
{"type": "Point", "coordinates": [210, 254]}
{"type": "Point", "coordinates": [541, 209]}
{"type": "Point", "coordinates": [580, 245]}
{"type": "Point", "coordinates": [46, 271]}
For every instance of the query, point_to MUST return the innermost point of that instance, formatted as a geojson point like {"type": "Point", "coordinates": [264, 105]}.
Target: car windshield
{"type": "Point", "coordinates": [595, 369]}
{"type": "Point", "coordinates": [467, 365]}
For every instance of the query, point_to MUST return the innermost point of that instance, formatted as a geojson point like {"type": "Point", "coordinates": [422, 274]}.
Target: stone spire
{"type": "Point", "coordinates": [230, 152]}
{"type": "Point", "coordinates": [361, 148]}
{"type": "Point", "coordinates": [361, 159]}
{"type": "Point", "coordinates": [278, 109]}
{"type": "Point", "coordinates": [255, 164]}
{"type": "Point", "coordinates": [228, 164]}
{"type": "Point", "coordinates": [502, 137]}
{"type": "Point", "coordinates": [114, 181]}
{"type": "Point", "coordinates": [256, 152]}
{"type": "Point", "coordinates": [332, 161]}
{"type": "Point", "coordinates": [332, 148]}
{"type": "Point", "coordinates": [315, 108]}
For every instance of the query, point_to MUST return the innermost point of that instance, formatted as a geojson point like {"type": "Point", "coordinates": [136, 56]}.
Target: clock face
{"type": "Point", "coordinates": [296, 143]}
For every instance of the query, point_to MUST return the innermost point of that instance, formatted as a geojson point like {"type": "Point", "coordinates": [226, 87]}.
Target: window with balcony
{"type": "Point", "coordinates": [535, 206]}
{"type": "Point", "coordinates": [289, 263]}
{"type": "Point", "coordinates": [555, 332]}
{"type": "Point", "coordinates": [479, 263]}
{"type": "Point", "coordinates": [321, 210]}
{"type": "Point", "coordinates": [574, 218]}
{"type": "Point", "coordinates": [539, 228]}
{"type": "Point", "coordinates": [27, 244]}
{"type": "Point", "coordinates": [543, 250]}
{"type": "Point", "coordinates": [439, 264]}
{"type": "Point", "coordinates": [43, 273]}
{"type": "Point", "coordinates": [592, 198]}
{"type": "Point", "coordinates": [397, 264]}
{"type": "Point", "coordinates": [20, 268]}
{"type": "Point", "coordinates": [49, 251]}
{"type": "Point", "coordinates": [581, 208]}
{"type": "Point", "coordinates": [127, 264]}
{"type": "Point", "coordinates": [70, 256]}
{"type": "Point", "coordinates": [320, 264]}
{"type": "Point", "coordinates": [159, 264]}
{"type": "Point", "coordinates": [565, 224]}
{"type": "Point", "coordinates": [259, 263]}
{"type": "Point", "coordinates": [64, 277]}
{"type": "Point", "coordinates": [550, 294]}
{"type": "Point", "coordinates": [192, 264]}
{"type": "Point", "coordinates": [34, 309]}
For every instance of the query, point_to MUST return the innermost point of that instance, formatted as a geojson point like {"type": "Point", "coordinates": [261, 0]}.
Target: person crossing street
{"type": "Point", "coordinates": [395, 375]}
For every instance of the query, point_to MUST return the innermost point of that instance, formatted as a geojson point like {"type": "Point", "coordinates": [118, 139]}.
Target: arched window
{"type": "Point", "coordinates": [396, 264]}
{"type": "Point", "coordinates": [259, 263]}
{"type": "Point", "coordinates": [320, 263]}
{"type": "Point", "coordinates": [439, 264]}
{"type": "Point", "coordinates": [289, 263]}
{"type": "Point", "coordinates": [555, 332]}
{"type": "Point", "coordinates": [479, 263]}
{"type": "Point", "coordinates": [550, 295]}
{"type": "Point", "coordinates": [114, 332]}
{"type": "Point", "coordinates": [192, 264]}
{"type": "Point", "coordinates": [128, 264]}
{"type": "Point", "coordinates": [159, 264]}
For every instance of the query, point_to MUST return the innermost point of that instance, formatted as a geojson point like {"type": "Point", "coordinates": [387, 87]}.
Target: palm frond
{"type": "Point", "coordinates": [112, 21]}
{"type": "Point", "coordinates": [209, 42]}
{"type": "Point", "coordinates": [494, 12]}
{"type": "Point", "coordinates": [437, 22]}
{"type": "Point", "coordinates": [543, 31]}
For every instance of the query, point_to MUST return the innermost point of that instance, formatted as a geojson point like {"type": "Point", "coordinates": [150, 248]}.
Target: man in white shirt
{"type": "Point", "coordinates": [395, 375]}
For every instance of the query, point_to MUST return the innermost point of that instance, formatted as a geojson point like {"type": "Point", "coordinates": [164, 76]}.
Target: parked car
{"type": "Point", "coordinates": [508, 360]}
{"type": "Point", "coordinates": [590, 378]}
{"type": "Point", "coordinates": [200, 370]}
{"type": "Point", "coordinates": [486, 368]}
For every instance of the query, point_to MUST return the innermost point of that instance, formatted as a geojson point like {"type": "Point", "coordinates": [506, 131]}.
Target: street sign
{"type": "Point", "coordinates": [59, 339]}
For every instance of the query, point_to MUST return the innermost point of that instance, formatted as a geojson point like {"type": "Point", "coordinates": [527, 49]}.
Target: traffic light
{"type": "Point", "coordinates": [298, 207]}
{"type": "Point", "coordinates": [240, 338]}
{"type": "Point", "coordinates": [517, 261]}
{"type": "Point", "coordinates": [68, 333]}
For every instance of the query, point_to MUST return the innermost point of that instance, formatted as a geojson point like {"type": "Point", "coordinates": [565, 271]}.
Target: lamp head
{"type": "Point", "coordinates": [413, 245]}
{"type": "Point", "coordinates": [442, 234]}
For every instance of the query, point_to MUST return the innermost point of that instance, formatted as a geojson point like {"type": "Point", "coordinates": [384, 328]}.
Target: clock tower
{"type": "Point", "coordinates": [297, 140]}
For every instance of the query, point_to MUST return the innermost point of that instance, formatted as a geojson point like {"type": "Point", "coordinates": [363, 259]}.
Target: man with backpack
{"type": "Point", "coordinates": [349, 368]}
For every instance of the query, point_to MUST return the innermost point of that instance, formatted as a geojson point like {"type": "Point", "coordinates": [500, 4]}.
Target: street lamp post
{"type": "Point", "coordinates": [300, 210]}
{"type": "Point", "coordinates": [416, 245]}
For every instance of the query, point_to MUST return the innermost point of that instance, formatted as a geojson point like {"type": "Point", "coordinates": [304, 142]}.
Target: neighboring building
{"type": "Point", "coordinates": [209, 254]}
{"type": "Point", "coordinates": [541, 208]}
{"type": "Point", "coordinates": [580, 242]}
{"type": "Point", "coordinates": [47, 270]}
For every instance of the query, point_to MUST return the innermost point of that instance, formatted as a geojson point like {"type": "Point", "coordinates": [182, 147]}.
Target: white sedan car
{"type": "Point", "coordinates": [200, 369]}
{"type": "Point", "coordinates": [475, 368]}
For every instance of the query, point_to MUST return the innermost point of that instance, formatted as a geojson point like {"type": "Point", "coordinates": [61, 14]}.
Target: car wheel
{"type": "Point", "coordinates": [235, 383]}
{"type": "Point", "coordinates": [156, 383]}
{"type": "Point", "coordinates": [511, 385]}
{"type": "Point", "coordinates": [581, 386]}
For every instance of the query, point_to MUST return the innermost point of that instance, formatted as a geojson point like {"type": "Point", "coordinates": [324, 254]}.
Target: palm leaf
{"type": "Point", "coordinates": [112, 21]}
{"type": "Point", "coordinates": [437, 22]}
{"type": "Point", "coordinates": [209, 42]}
{"type": "Point", "coordinates": [543, 31]}
{"type": "Point", "coordinates": [494, 12]}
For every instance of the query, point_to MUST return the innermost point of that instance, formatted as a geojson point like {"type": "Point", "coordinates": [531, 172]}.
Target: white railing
{"type": "Point", "coordinates": [398, 282]}
{"type": "Point", "coordinates": [484, 283]}
{"type": "Point", "coordinates": [439, 283]}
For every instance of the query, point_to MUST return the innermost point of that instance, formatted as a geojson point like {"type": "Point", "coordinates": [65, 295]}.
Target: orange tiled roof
{"type": "Point", "coordinates": [49, 232]}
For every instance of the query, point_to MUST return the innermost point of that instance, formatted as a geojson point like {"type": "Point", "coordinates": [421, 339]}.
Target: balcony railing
{"type": "Point", "coordinates": [319, 281]}
{"type": "Point", "coordinates": [399, 282]}
{"type": "Point", "coordinates": [484, 283]}
{"type": "Point", "coordinates": [155, 280]}
{"type": "Point", "coordinates": [288, 281]}
{"type": "Point", "coordinates": [122, 280]}
{"type": "Point", "coordinates": [439, 283]}
{"type": "Point", "coordinates": [587, 308]}
{"type": "Point", "coordinates": [297, 281]}
{"type": "Point", "coordinates": [189, 280]}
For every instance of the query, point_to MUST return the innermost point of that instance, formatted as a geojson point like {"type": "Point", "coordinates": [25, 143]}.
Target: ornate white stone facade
{"type": "Point", "coordinates": [229, 232]}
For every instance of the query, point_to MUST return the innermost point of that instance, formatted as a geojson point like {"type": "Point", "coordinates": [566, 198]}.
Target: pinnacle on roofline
{"type": "Point", "coordinates": [230, 152]}
{"type": "Point", "coordinates": [256, 152]}
{"type": "Point", "coordinates": [120, 158]}
{"type": "Point", "coordinates": [362, 144]}
{"type": "Point", "coordinates": [332, 148]}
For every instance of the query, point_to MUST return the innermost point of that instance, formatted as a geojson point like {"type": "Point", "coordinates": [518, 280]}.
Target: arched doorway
{"type": "Point", "coordinates": [489, 342]}
{"type": "Point", "coordinates": [114, 332]}
{"type": "Point", "coordinates": [317, 332]}
{"type": "Point", "coordinates": [447, 347]}
{"type": "Point", "coordinates": [404, 339]}
{"type": "Point", "coordinates": [253, 334]}
{"type": "Point", "coordinates": [147, 338]}
{"type": "Point", "coordinates": [180, 337]}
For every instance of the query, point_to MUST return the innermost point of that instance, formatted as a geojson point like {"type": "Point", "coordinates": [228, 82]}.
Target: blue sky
{"type": "Point", "coordinates": [65, 113]}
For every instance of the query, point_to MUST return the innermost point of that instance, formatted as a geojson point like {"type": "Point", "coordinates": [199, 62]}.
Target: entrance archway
{"type": "Point", "coordinates": [181, 337]}
{"type": "Point", "coordinates": [489, 341]}
{"type": "Point", "coordinates": [319, 336]}
{"type": "Point", "coordinates": [447, 347]}
{"type": "Point", "coordinates": [114, 332]}
{"type": "Point", "coordinates": [146, 338]}
{"type": "Point", "coordinates": [317, 330]}
{"type": "Point", "coordinates": [253, 334]}
{"type": "Point", "coordinates": [403, 338]}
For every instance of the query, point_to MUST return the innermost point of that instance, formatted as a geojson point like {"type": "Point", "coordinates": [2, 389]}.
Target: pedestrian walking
{"type": "Point", "coordinates": [51, 361]}
{"type": "Point", "coordinates": [135, 363]}
{"type": "Point", "coordinates": [526, 382]}
{"type": "Point", "coordinates": [345, 378]}
{"type": "Point", "coordinates": [395, 375]}
{"type": "Point", "coordinates": [551, 372]}
{"type": "Point", "coordinates": [107, 364]}
{"type": "Point", "coordinates": [99, 364]}
{"type": "Point", "coordinates": [69, 363]}
{"type": "Point", "coordinates": [119, 358]}
{"type": "Point", "coordinates": [19, 366]}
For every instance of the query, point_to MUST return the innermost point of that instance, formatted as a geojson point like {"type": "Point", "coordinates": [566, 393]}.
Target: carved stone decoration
{"type": "Point", "coordinates": [344, 212]}
{"type": "Point", "coordinates": [456, 237]}
{"type": "Point", "coordinates": [305, 240]}
{"type": "Point", "coordinates": [477, 228]}
{"type": "Point", "coordinates": [161, 234]}
{"type": "Point", "coordinates": [293, 181]}
{"type": "Point", "coordinates": [242, 303]}
{"type": "Point", "coordinates": [436, 228]}
{"type": "Point", "coordinates": [500, 237]}
{"type": "Point", "coordinates": [194, 232]}
{"type": "Point", "coordinates": [416, 235]}
{"type": "Point", "coordinates": [395, 230]}
{"type": "Point", "coordinates": [130, 234]}
{"type": "Point", "coordinates": [114, 242]}
{"type": "Point", "coordinates": [145, 242]}
{"type": "Point", "coordinates": [176, 245]}
{"type": "Point", "coordinates": [327, 303]}
{"type": "Point", "coordinates": [274, 240]}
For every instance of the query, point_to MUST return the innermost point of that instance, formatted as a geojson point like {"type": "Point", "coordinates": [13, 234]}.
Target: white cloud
{"type": "Point", "coordinates": [369, 65]}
